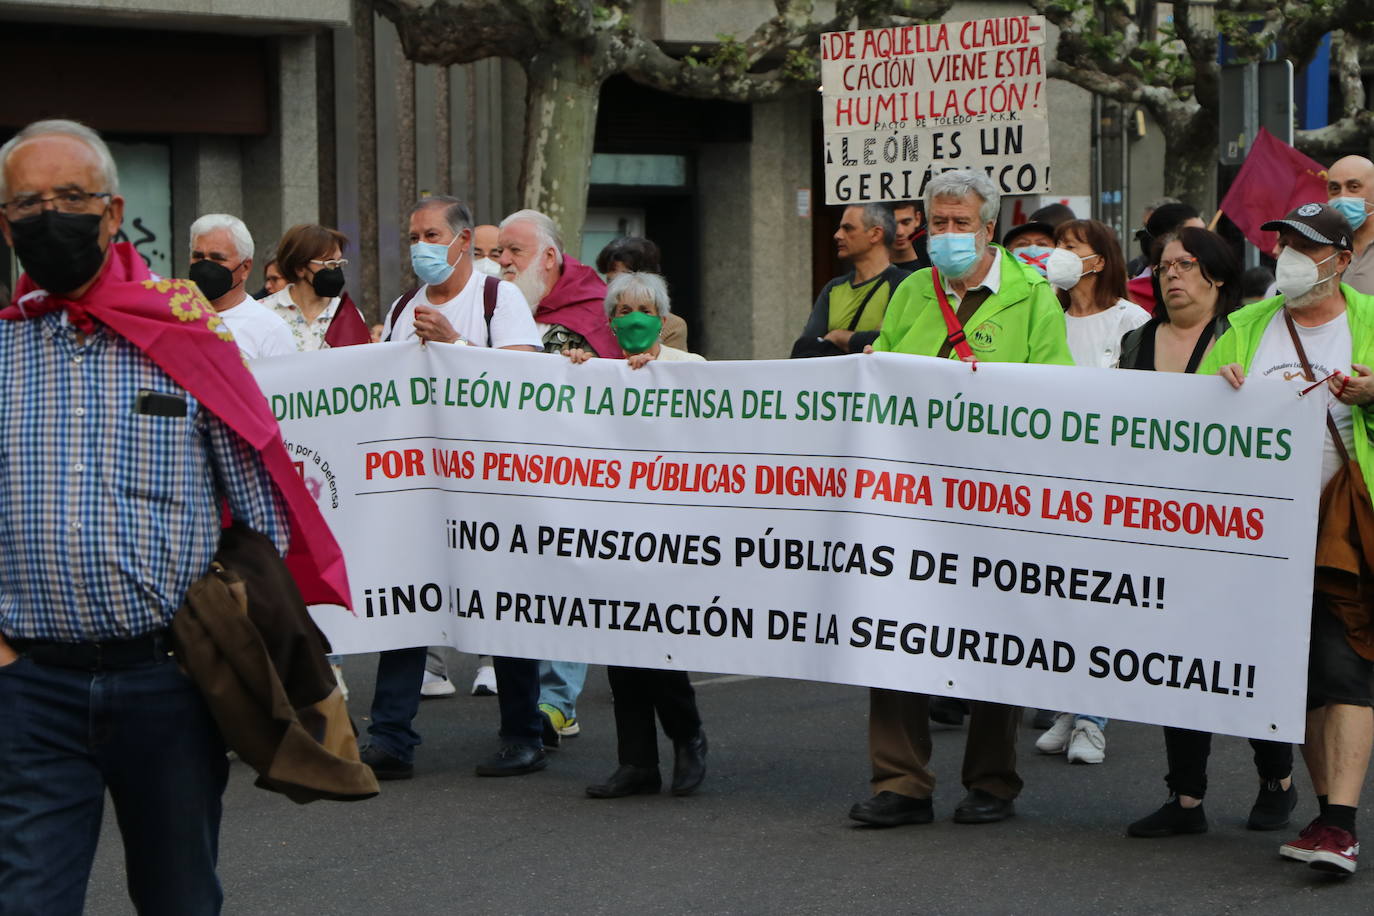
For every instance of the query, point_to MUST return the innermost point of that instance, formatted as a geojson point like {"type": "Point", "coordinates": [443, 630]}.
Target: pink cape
{"type": "Point", "coordinates": [578, 302]}
{"type": "Point", "coordinates": [170, 321]}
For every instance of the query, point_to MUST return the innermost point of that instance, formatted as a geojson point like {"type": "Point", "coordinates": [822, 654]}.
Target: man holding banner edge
{"type": "Point", "coordinates": [1005, 313]}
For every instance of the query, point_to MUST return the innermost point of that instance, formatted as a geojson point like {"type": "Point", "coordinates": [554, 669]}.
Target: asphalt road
{"type": "Point", "coordinates": [767, 833]}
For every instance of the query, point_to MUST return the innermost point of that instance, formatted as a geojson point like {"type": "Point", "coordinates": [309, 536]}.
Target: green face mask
{"type": "Point", "coordinates": [637, 331]}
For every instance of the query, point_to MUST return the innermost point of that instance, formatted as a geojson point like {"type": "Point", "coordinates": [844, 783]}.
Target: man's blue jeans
{"type": "Point", "coordinates": [396, 700]}
{"type": "Point", "coordinates": [145, 734]}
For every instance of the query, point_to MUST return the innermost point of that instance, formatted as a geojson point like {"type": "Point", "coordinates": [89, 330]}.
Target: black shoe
{"type": "Point", "coordinates": [551, 736]}
{"type": "Point", "coordinates": [628, 780]}
{"type": "Point", "coordinates": [1044, 719]}
{"type": "Point", "coordinates": [1273, 806]}
{"type": "Point", "coordinates": [1171, 819]}
{"type": "Point", "coordinates": [514, 760]}
{"type": "Point", "coordinates": [891, 809]}
{"type": "Point", "coordinates": [385, 766]}
{"type": "Point", "coordinates": [979, 807]}
{"type": "Point", "coordinates": [689, 764]}
{"type": "Point", "coordinates": [948, 710]}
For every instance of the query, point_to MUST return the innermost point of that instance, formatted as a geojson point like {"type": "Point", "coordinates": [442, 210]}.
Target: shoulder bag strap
{"type": "Point", "coordinates": [858, 312]}
{"type": "Point", "coordinates": [956, 338]}
{"type": "Point", "coordinates": [1200, 348]}
{"type": "Point", "coordinates": [1307, 373]}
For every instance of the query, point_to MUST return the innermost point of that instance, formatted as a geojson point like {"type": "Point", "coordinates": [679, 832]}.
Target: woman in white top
{"type": "Point", "coordinates": [311, 259]}
{"type": "Point", "coordinates": [1089, 272]}
{"type": "Point", "coordinates": [636, 305]}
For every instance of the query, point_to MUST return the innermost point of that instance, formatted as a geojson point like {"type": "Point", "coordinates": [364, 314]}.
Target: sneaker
{"type": "Point", "coordinates": [1335, 851]}
{"type": "Point", "coordinates": [484, 683]}
{"type": "Point", "coordinates": [1172, 819]}
{"type": "Point", "coordinates": [566, 727]}
{"type": "Point", "coordinates": [338, 679]}
{"type": "Point", "coordinates": [436, 686]}
{"type": "Point", "coordinates": [1273, 806]}
{"type": "Point", "coordinates": [1088, 744]}
{"type": "Point", "coordinates": [1301, 849]}
{"type": "Point", "coordinates": [1056, 740]}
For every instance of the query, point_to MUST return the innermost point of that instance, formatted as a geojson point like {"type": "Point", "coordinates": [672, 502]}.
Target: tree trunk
{"type": "Point", "coordinates": [406, 185]}
{"type": "Point", "coordinates": [365, 83]}
{"type": "Point", "coordinates": [560, 129]}
{"type": "Point", "coordinates": [1190, 159]}
{"type": "Point", "coordinates": [443, 133]}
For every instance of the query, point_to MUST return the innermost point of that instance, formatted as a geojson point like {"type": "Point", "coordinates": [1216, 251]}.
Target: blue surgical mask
{"type": "Point", "coordinates": [430, 261]}
{"type": "Point", "coordinates": [954, 253]}
{"type": "Point", "coordinates": [1036, 256]}
{"type": "Point", "coordinates": [1353, 209]}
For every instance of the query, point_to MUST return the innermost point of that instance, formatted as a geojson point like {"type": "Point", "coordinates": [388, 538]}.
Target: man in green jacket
{"type": "Point", "coordinates": [1009, 314]}
{"type": "Point", "coordinates": [1335, 326]}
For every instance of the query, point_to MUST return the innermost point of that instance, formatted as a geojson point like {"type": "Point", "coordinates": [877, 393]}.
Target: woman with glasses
{"type": "Point", "coordinates": [313, 304]}
{"type": "Point", "coordinates": [1198, 280]}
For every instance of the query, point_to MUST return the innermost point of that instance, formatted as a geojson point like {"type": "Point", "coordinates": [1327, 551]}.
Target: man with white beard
{"type": "Point", "coordinates": [1319, 329]}
{"type": "Point", "coordinates": [566, 296]}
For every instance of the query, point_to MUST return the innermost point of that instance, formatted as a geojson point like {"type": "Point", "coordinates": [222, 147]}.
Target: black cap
{"type": "Point", "coordinates": [1054, 214]}
{"type": "Point", "coordinates": [1317, 222]}
{"type": "Point", "coordinates": [1022, 229]}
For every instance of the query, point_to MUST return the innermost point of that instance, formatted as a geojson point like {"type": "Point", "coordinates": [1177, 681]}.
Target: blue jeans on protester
{"type": "Point", "coordinates": [397, 699]}
{"type": "Point", "coordinates": [142, 732]}
{"type": "Point", "coordinates": [560, 684]}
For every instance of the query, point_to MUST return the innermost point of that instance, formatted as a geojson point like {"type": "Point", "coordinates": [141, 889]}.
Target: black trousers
{"type": "Point", "coordinates": [517, 693]}
{"type": "Point", "coordinates": [639, 693]}
{"type": "Point", "coordinates": [1188, 751]}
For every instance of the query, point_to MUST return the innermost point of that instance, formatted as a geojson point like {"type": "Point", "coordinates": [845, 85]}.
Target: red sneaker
{"type": "Point", "coordinates": [1305, 846]}
{"type": "Point", "coordinates": [1335, 851]}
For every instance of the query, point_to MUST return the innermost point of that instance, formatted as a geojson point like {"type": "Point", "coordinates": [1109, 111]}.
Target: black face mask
{"type": "Point", "coordinates": [213, 279]}
{"type": "Point", "coordinates": [60, 251]}
{"type": "Point", "coordinates": [328, 282]}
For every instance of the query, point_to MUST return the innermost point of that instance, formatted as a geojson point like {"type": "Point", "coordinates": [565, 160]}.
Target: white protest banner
{"type": "Point", "coordinates": [905, 103]}
{"type": "Point", "coordinates": [1137, 545]}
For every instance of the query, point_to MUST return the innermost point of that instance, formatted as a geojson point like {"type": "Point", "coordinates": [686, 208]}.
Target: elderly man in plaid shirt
{"type": "Point", "coordinates": [112, 477]}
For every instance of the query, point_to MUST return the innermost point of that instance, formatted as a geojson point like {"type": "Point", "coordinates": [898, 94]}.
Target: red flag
{"type": "Point", "coordinates": [347, 328]}
{"type": "Point", "coordinates": [175, 327]}
{"type": "Point", "coordinates": [1274, 179]}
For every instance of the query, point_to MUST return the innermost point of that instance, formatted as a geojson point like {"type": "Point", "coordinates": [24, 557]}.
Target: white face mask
{"type": "Point", "coordinates": [1295, 274]}
{"type": "Point", "coordinates": [487, 266]}
{"type": "Point", "coordinates": [1063, 268]}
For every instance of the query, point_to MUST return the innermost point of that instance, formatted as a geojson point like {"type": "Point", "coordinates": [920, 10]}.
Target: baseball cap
{"type": "Point", "coordinates": [1317, 222]}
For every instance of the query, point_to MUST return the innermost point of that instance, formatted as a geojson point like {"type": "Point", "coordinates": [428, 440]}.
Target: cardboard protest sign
{"type": "Point", "coordinates": [1136, 545]}
{"type": "Point", "coordinates": [902, 104]}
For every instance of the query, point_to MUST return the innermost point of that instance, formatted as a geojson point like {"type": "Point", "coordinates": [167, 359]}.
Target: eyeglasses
{"type": "Point", "coordinates": [31, 205]}
{"type": "Point", "coordinates": [331, 264]}
{"type": "Point", "coordinates": [1184, 265]}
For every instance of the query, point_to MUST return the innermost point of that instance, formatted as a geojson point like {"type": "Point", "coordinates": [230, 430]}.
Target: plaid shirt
{"type": "Point", "coordinates": [108, 514]}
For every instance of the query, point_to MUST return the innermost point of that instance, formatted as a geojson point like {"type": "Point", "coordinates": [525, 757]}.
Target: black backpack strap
{"type": "Point", "coordinates": [398, 308]}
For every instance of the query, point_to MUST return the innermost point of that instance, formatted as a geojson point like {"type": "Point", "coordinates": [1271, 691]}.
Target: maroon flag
{"type": "Point", "coordinates": [1273, 180]}
{"type": "Point", "coordinates": [347, 327]}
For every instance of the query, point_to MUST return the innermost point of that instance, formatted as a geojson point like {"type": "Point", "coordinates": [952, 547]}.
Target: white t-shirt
{"type": "Point", "coordinates": [1328, 348]}
{"type": "Point", "coordinates": [258, 330]}
{"type": "Point", "coordinates": [512, 324]}
{"type": "Point", "coordinates": [1095, 340]}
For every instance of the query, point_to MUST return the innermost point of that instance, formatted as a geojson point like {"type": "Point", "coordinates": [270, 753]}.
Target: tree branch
{"type": "Point", "coordinates": [1356, 124]}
